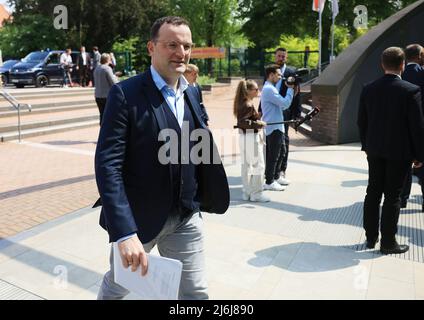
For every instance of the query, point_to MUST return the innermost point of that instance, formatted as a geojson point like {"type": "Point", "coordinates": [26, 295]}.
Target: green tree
{"type": "Point", "coordinates": [93, 23]}
{"type": "Point", "coordinates": [267, 20]}
{"type": "Point", "coordinates": [213, 22]}
{"type": "Point", "coordinates": [34, 32]}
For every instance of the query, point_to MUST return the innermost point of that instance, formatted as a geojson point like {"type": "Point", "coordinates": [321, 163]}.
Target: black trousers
{"type": "Point", "coordinates": [83, 76]}
{"type": "Point", "coordinates": [286, 149]}
{"type": "Point", "coordinates": [384, 177]}
{"type": "Point", "coordinates": [406, 190]}
{"type": "Point", "coordinates": [274, 155]}
{"type": "Point", "coordinates": [101, 104]}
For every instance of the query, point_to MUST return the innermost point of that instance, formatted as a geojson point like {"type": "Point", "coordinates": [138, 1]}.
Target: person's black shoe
{"type": "Point", "coordinates": [403, 203]}
{"type": "Point", "coordinates": [370, 243]}
{"type": "Point", "coordinates": [394, 249]}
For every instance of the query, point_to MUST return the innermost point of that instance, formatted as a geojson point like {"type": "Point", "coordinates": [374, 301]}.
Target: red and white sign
{"type": "Point", "coordinates": [318, 5]}
{"type": "Point", "coordinates": [207, 52]}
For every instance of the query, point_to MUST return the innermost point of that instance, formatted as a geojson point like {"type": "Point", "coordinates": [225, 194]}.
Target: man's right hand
{"type": "Point", "coordinates": [416, 164]}
{"type": "Point", "coordinates": [291, 86]}
{"type": "Point", "coordinates": [133, 254]}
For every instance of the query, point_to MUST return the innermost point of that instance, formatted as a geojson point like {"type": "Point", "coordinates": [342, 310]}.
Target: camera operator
{"type": "Point", "coordinates": [66, 63]}
{"type": "Point", "coordinates": [273, 104]}
{"type": "Point", "coordinates": [293, 112]}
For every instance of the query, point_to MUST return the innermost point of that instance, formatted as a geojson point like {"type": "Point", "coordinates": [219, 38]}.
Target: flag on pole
{"type": "Point", "coordinates": [335, 7]}
{"type": "Point", "coordinates": [318, 5]}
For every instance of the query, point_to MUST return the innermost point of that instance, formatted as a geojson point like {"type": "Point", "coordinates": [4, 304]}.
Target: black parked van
{"type": "Point", "coordinates": [41, 68]}
{"type": "Point", "coordinates": [5, 70]}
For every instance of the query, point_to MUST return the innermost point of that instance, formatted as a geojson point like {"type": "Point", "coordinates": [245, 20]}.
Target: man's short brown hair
{"type": "Point", "coordinates": [413, 52]}
{"type": "Point", "coordinates": [271, 68]}
{"type": "Point", "coordinates": [174, 20]}
{"type": "Point", "coordinates": [392, 58]}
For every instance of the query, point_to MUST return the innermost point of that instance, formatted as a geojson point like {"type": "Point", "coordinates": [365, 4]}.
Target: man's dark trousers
{"type": "Point", "coordinates": [275, 151]}
{"type": "Point", "coordinates": [385, 177]}
{"type": "Point", "coordinates": [101, 104]}
{"type": "Point", "coordinates": [83, 77]}
{"type": "Point", "coordinates": [406, 190]}
{"type": "Point", "coordinates": [286, 149]}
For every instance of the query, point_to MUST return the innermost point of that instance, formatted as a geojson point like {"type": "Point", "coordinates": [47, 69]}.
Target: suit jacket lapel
{"type": "Point", "coordinates": [194, 105]}
{"type": "Point", "coordinates": [157, 102]}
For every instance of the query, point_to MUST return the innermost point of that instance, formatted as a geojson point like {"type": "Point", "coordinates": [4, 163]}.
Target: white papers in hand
{"type": "Point", "coordinates": [161, 282]}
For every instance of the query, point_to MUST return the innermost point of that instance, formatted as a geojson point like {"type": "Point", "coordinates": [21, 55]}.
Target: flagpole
{"type": "Point", "coordinates": [332, 40]}
{"type": "Point", "coordinates": [319, 41]}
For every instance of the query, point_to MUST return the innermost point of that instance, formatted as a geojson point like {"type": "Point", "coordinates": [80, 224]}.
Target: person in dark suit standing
{"type": "Point", "coordinates": [191, 74]}
{"type": "Point", "coordinates": [83, 66]}
{"type": "Point", "coordinates": [414, 73]}
{"type": "Point", "coordinates": [152, 187]}
{"type": "Point", "coordinates": [391, 128]}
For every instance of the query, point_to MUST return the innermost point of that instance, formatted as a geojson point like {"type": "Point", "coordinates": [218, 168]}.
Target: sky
{"type": "Point", "coordinates": [4, 2]}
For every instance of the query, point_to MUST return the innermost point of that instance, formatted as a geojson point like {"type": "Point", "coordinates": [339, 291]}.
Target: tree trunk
{"type": "Point", "coordinates": [209, 34]}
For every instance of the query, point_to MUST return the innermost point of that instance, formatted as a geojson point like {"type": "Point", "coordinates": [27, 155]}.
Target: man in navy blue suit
{"type": "Point", "coordinates": [146, 200]}
{"type": "Point", "coordinates": [414, 73]}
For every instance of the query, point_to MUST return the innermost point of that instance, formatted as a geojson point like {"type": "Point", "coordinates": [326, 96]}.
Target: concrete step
{"type": "Point", "coordinates": [46, 91]}
{"type": "Point", "coordinates": [14, 135]}
{"type": "Point", "coordinates": [46, 123]}
{"type": "Point", "coordinates": [50, 104]}
{"type": "Point", "coordinates": [38, 97]}
{"type": "Point", "coordinates": [49, 97]}
{"type": "Point", "coordinates": [27, 116]}
{"type": "Point", "coordinates": [11, 112]}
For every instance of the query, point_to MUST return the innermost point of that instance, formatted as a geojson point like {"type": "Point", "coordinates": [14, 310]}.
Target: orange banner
{"type": "Point", "coordinates": [207, 52]}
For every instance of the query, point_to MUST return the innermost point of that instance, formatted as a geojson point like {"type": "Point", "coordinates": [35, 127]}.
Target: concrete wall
{"type": "Point", "coordinates": [336, 92]}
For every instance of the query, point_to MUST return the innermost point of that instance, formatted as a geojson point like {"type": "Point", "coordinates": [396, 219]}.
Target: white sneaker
{"type": "Point", "coordinates": [245, 196]}
{"type": "Point", "coordinates": [259, 197]}
{"type": "Point", "coordinates": [283, 181]}
{"type": "Point", "coordinates": [275, 186]}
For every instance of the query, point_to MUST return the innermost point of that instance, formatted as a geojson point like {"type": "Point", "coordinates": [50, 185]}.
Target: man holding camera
{"type": "Point", "coordinates": [293, 112]}
{"type": "Point", "coordinates": [273, 104]}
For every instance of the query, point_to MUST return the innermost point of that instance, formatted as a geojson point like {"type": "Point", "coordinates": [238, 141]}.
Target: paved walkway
{"type": "Point", "coordinates": [305, 244]}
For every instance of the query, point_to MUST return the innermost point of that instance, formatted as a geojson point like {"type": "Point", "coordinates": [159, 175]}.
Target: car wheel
{"type": "Point", "coordinates": [19, 85]}
{"type": "Point", "coordinates": [41, 81]}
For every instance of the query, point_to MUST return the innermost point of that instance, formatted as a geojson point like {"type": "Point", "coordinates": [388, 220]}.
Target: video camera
{"type": "Point", "coordinates": [293, 80]}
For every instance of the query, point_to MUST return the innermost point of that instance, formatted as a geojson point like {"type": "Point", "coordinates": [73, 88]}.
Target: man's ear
{"type": "Point", "coordinates": [150, 47]}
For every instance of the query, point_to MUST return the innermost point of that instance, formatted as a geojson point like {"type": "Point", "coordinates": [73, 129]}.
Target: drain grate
{"type": "Point", "coordinates": [10, 292]}
{"type": "Point", "coordinates": [410, 231]}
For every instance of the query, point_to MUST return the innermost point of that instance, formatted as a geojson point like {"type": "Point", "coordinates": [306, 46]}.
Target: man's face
{"type": "Point", "coordinates": [171, 50]}
{"type": "Point", "coordinates": [82, 49]}
{"type": "Point", "coordinates": [191, 76]}
{"type": "Point", "coordinates": [281, 57]}
{"type": "Point", "coordinates": [275, 77]}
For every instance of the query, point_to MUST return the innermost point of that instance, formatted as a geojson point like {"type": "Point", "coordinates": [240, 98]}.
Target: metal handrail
{"type": "Point", "coordinates": [15, 103]}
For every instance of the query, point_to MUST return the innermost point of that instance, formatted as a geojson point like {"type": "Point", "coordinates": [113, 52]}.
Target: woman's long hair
{"type": "Point", "coordinates": [241, 95]}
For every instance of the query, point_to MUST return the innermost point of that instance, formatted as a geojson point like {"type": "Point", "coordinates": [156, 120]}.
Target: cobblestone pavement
{"type": "Point", "coordinates": [49, 176]}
